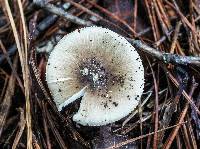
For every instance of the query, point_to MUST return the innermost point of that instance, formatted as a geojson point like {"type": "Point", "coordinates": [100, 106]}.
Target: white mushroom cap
{"type": "Point", "coordinates": [100, 66]}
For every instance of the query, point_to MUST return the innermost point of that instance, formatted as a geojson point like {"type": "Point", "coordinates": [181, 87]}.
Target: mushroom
{"type": "Point", "coordinates": [100, 66]}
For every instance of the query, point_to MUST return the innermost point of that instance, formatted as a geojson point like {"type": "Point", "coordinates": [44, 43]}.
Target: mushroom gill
{"type": "Point", "coordinates": [100, 66]}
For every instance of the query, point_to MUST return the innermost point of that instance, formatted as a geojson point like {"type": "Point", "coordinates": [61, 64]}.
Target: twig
{"type": "Point", "coordinates": [184, 19]}
{"type": "Point", "coordinates": [191, 132]}
{"type": "Point", "coordinates": [181, 118]}
{"type": "Point", "coordinates": [143, 136]}
{"type": "Point", "coordinates": [11, 51]}
{"type": "Point", "coordinates": [187, 97]}
{"type": "Point", "coordinates": [46, 127]}
{"type": "Point", "coordinates": [10, 63]}
{"type": "Point", "coordinates": [35, 143]}
{"type": "Point", "coordinates": [21, 126]}
{"type": "Point", "coordinates": [6, 103]}
{"type": "Point", "coordinates": [194, 116]}
{"type": "Point", "coordinates": [108, 13]}
{"type": "Point", "coordinates": [163, 38]}
{"type": "Point", "coordinates": [155, 139]}
{"type": "Point", "coordinates": [88, 11]}
{"type": "Point", "coordinates": [150, 17]}
{"type": "Point", "coordinates": [175, 37]}
{"type": "Point", "coordinates": [53, 128]}
{"type": "Point", "coordinates": [159, 16]}
{"type": "Point", "coordinates": [55, 10]}
{"type": "Point", "coordinates": [44, 24]}
{"type": "Point", "coordinates": [135, 14]}
{"type": "Point", "coordinates": [25, 71]}
{"type": "Point", "coordinates": [143, 32]}
{"type": "Point", "coordinates": [165, 57]}
{"type": "Point", "coordinates": [134, 113]}
{"type": "Point", "coordinates": [172, 107]}
{"type": "Point", "coordinates": [48, 21]}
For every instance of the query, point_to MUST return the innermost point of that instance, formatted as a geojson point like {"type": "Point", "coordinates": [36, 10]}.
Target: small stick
{"type": "Point", "coordinates": [42, 26]}
{"type": "Point", "coordinates": [175, 37]}
{"type": "Point", "coordinates": [173, 134]}
{"type": "Point", "coordinates": [21, 125]}
{"type": "Point", "coordinates": [163, 38]}
{"type": "Point", "coordinates": [156, 121]}
{"type": "Point", "coordinates": [135, 14]}
{"type": "Point", "coordinates": [10, 52]}
{"type": "Point", "coordinates": [108, 13]}
{"type": "Point", "coordinates": [59, 11]}
{"type": "Point", "coordinates": [166, 57]}
{"type": "Point", "coordinates": [160, 19]}
{"type": "Point", "coordinates": [166, 19]}
{"type": "Point", "coordinates": [7, 101]}
{"type": "Point", "coordinates": [143, 32]}
{"type": "Point", "coordinates": [150, 17]}
{"type": "Point", "coordinates": [143, 136]}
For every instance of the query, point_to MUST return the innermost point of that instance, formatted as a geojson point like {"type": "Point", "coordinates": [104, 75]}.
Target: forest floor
{"type": "Point", "coordinates": [166, 34]}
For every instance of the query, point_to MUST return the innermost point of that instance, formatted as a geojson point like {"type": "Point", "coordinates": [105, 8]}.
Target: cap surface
{"type": "Point", "coordinates": [100, 66]}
